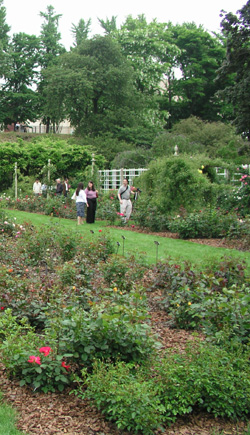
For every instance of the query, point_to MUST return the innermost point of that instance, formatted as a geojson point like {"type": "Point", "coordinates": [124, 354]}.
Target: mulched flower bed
{"type": "Point", "coordinates": [61, 413]}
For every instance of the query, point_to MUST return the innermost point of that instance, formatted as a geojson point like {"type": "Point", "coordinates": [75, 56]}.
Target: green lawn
{"type": "Point", "coordinates": [7, 420]}
{"type": "Point", "coordinates": [140, 244]}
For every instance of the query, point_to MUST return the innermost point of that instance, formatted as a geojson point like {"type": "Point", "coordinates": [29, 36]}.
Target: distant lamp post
{"type": "Point", "coordinates": [176, 150]}
{"type": "Point", "coordinates": [157, 244]}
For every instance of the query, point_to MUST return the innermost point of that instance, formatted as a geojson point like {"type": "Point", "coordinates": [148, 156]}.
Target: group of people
{"type": "Point", "coordinates": [89, 197]}
{"type": "Point", "coordinates": [61, 188]}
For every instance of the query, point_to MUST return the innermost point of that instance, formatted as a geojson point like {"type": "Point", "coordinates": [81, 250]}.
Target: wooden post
{"type": "Point", "coordinates": [121, 176]}
{"type": "Point", "coordinates": [48, 178]}
{"type": "Point", "coordinates": [16, 180]}
{"type": "Point", "coordinates": [93, 164]}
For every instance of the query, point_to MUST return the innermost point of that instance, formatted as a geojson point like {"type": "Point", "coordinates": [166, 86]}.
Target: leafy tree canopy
{"type": "Point", "coordinates": [236, 29]}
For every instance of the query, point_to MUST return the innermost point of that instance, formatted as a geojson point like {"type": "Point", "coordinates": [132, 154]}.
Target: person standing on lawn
{"type": "Point", "coordinates": [125, 203]}
{"type": "Point", "coordinates": [91, 194]}
{"type": "Point", "coordinates": [81, 200]}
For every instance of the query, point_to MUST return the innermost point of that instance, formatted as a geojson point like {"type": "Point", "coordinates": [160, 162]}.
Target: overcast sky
{"type": "Point", "coordinates": [24, 16]}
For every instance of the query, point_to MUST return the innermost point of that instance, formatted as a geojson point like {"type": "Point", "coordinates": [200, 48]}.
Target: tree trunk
{"type": "Point", "coordinates": [47, 124]}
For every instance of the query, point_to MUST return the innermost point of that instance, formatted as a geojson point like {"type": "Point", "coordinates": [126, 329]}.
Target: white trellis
{"type": "Point", "coordinates": [221, 172]}
{"type": "Point", "coordinates": [112, 178]}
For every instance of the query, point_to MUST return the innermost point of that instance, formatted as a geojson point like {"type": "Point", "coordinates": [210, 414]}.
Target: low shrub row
{"type": "Point", "coordinates": [136, 398]}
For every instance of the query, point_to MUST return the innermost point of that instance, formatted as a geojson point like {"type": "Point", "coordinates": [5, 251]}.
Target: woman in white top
{"type": "Point", "coordinates": [80, 197]}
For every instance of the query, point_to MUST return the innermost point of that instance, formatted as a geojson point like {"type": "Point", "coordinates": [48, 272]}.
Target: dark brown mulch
{"type": "Point", "coordinates": [61, 413]}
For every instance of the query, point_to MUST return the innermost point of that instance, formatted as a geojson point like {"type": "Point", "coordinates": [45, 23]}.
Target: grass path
{"type": "Point", "coordinates": [140, 244]}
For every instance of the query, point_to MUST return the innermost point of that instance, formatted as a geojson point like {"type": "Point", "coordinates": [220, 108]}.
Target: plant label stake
{"type": "Point", "coordinates": [157, 244]}
{"type": "Point", "coordinates": [123, 238]}
{"type": "Point", "coordinates": [118, 245]}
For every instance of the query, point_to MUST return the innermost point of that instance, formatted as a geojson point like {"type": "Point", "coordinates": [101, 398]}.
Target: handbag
{"type": "Point", "coordinates": [73, 196]}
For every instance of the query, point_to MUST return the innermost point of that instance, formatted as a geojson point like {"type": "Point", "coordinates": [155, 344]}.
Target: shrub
{"type": "Point", "coordinates": [171, 183]}
{"type": "Point", "coordinates": [149, 216]}
{"type": "Point", "coordinates": [120, 272]}
{"type": "Point", "coordinates": [129, 401]}
{"type": "Point", "coordinates": [207, 223]}
{"type": "Point", "coordinates": [25, 356]}
{"type": "Point", "coordinates": [97, 334]}
{"type": "Point", "coordinates": [140, 398]}
{"type": "Point", "coordinates": [206, 377]}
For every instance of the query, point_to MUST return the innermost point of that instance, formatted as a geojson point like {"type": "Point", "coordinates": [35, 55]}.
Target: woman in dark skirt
{"type": "Point", "coordinates": [91, 195]}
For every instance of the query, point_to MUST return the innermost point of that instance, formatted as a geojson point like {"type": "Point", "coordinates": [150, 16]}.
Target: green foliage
{"type": "Point", "coordinates": [171, 183]}
{"type": "Point", "coordinates": [147, 215]}
{"type": "Point", "coordinates": [204, 378]}
{"type": "Point", "coordinates": [217, 139]}
{"type": "Point", "coordinates": [235, 29]}
{"type": "Point", "coordinates": [244, 193]}
{"type": "Point", "coordinates": [67, 158]}
{"type": "Point", "coordinates": [103, 335]}
{"type": "Point", "coordinates": [129, 401]}
{"type": "Point", "coordinates": [205, 223]}
{"type": "Point", "coordinates": [108, 207]}
{"type": "Point", "coordinates": [121, 272]}
{"type": "Point", "coordinates": [28, 359]}
{"type": "Point", "coordinates": [19, 101]}
{"type": "Point", "coordinates": [199, 57]}
{"type": "Point", "coordinates": [94, 85]}
{"type": "Point", "coordinates": [215, 301]}
{"type": "Point", "coordinates": [132, 159]}
{"type": "Point", "coordinates": [195, 136]}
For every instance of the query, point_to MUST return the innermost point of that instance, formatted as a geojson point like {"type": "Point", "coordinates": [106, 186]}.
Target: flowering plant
{"type": "Point", "coordinates": [243, 193]}
{"type": "Point", "coordinates": [47, 372]}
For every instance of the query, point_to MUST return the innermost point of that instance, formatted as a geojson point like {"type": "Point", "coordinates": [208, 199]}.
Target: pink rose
{"type": "Point", "coordinates": [65, 366]}
{"type": "Point", "coordinates": [34, 359]}
{"type": "Point", "coordinates": [45, 350]}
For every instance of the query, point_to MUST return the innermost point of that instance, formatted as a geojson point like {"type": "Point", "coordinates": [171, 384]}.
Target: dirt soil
{"type": "Point", "coordinates": [61, 413]}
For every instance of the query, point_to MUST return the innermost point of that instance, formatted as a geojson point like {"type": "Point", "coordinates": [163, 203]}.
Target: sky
{"type": "Point", "coordinates": [24, 16]}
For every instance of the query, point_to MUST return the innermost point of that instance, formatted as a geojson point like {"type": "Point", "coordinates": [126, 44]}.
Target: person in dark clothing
{"type": "Point", "coordinates": [91, 194]}
{"type": "Point", "coordinates": [59, 187]}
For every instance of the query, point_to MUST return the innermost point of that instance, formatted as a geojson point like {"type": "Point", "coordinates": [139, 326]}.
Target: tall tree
{"type": "Point", "coordinates": [93, 85]}
{"type": "Point", "coordinates": [19, 101]}
{"type": "Point", "coordinates": [152, 55]}
{"type": "Point", "coordinates": [81, 31]}
{"type": "Point", "coordinates": [236, 29]}
{"type": "Point", "coordinates": [4, 40]}
{"type": "Point", "coordinates": [50, 50]}
{"type": "Point", "coordinates": [193, 92]}
{"type": "Point", "coordinates": [108, 25]}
